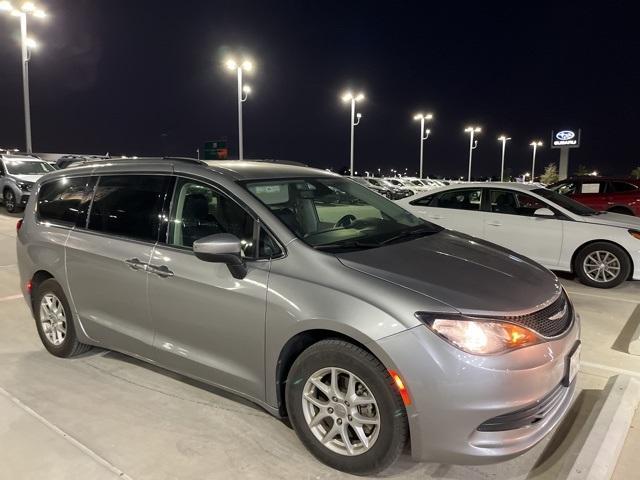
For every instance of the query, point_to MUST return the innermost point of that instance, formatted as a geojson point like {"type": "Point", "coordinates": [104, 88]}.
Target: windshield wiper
{"type": "Point", "coordinates": [346, 244]}
{"type": "Point", "coordinates": [410, 232]}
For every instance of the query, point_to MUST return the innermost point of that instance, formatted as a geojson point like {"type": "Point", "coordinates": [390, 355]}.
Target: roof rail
{"type": "Point", "coordinates": [93, 161]}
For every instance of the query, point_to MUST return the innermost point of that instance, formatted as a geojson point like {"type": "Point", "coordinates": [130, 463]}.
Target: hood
{"type": "Point", "coordinates": [468, 274]}
{"type": "Point", "coordinates": [27, 178]}
{"type": "Point", "coordinates": [613, 220]}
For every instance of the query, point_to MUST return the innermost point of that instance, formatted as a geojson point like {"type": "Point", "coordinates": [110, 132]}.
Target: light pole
{"type": "Point", "coordinates": [535, 144]}
{"type": "Point", "coordinates": [355, 120]}
{"type": "Point", "coordinates": [26, 46]}
{"type": "Point", "coordinates": [243, 93]}
{"type": "Point", "coordinates": [504, 140]}
{"type": "Point", "coordinates": [472, 145]}
{"type": "Point", "coordinates": [424, 134]}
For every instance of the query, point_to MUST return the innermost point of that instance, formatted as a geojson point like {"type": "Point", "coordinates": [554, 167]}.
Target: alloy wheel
{"type": "Point", "coordinates": [9, 201]}
{"type": "Point", "coordinates": [601, 266]}
{"type": "Point", "coordinates": [53, 319]}
{"type": "Point", "coordinates": [341, 411]}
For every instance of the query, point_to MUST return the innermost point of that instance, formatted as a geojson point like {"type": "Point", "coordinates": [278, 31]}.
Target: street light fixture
{"type": "Point", "coordinates": [27, 44]}
{"type": "Point", "coordinates": [355, 120]}
{"type": "Point", "coordinates": [243, 94]}
{"type": "Point", "coordinates": [424, 134]}
{"type": "Point", "coordinates": [472, 130]}
{"type": "Point", "coordinates": [504, 139]}
{"type": "Point", "coordinates": [535, 144]}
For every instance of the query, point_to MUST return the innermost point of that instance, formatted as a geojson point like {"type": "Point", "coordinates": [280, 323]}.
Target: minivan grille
{"type": "Point", "coordinates": [551, 321]}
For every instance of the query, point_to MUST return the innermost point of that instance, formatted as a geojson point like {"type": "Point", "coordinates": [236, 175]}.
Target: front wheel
{"type": "Point", "coordinates": [345, 409]}
{"type": "Point", "coordinates": [602, 265]}
{"type": "Point", "coordinates": [10, 202]}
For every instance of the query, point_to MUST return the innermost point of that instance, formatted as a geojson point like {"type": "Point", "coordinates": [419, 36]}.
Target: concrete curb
{"type": "Point", "coordinates": [614, 412]}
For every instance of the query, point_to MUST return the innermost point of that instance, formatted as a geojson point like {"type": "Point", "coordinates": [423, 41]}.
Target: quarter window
{"type": "Point", "coordinates": [199, 211]}
{"type": "Point", "coordinates": [467, 199]}
{"type": "Point", "coordinates": [129, 205]}
{"type": "Point", "coordinates": [59, 200]}
{"type": "Point", "coordinates": [619, 187]}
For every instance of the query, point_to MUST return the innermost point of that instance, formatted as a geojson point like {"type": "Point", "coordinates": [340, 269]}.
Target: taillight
{"type": "Point", "coordinates": [19, 225]}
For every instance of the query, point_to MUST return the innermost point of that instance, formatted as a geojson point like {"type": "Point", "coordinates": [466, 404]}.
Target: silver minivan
{"type": "Point", "coordinates": [310, 295]}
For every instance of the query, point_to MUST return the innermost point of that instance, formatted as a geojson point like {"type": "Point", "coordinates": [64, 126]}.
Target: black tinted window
{"type": "Point", "coordinates": [423, 202]}
{"type": "Point", "coordinates": [59, 200]}
{"type": "Point", "coordinates": [459, 199]}
{"type": "Point", "coordinates": [623, 187]}
{"type": "Point", "coordinates": [128, 205]}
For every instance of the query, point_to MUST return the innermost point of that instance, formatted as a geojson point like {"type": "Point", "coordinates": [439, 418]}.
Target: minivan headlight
{"type": "Point", "coordinates": [480, 336]}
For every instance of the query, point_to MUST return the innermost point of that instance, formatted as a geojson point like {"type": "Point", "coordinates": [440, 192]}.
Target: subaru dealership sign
{"type": "Point", "coordinates": [565, 138]}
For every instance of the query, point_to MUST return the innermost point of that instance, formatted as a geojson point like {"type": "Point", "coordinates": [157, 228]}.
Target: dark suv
{"type": "Point", "coordinates": [619, 195]}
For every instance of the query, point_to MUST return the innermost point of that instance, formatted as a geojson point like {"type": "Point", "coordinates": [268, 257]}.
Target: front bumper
{"type": "Point", "coordinates": [453, 393]}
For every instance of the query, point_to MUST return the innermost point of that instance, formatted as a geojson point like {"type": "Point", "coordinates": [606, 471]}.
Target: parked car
{"type": "Point", "coordinates": [364, 181]}
{"type": "Point", "coordinates": [396, 192]}
{"type": "Point", "coordinates": [77, 160]}
{"type": "Point", "coordinates": [18, 173]}
{"type": "Point", "coordinates": [601, 248]}
{"type": "Point", "coordinates": [618, 195]}
{"type": "Point", "coordinates": [365, 325]}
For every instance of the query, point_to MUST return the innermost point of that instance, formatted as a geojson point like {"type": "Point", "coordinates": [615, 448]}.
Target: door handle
{"type": "Point", "coordinates": [161, 270]}
{"type": "Point", "coordinates": [495, 223]}
{"type": "Point", "coordinates": [135, 264]}
{"type": "Point", "coordinates": [436, 217]}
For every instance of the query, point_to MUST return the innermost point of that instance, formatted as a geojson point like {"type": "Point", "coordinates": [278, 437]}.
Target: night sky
{"type": "Point", "coordinates": [141, 77]}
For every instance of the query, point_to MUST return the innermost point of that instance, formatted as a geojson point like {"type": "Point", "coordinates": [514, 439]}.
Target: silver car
{"type": "Point", "coordinates": [18, 173]}
{"type": "Point", "coordinates": [309, 295]}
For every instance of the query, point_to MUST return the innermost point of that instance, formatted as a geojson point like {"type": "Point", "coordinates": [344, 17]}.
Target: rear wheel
{"type": "Point", "coordinates": [54, 321]}
{"type": "Point", "coordinates": [621, 210]}
{"type": "Point", "coordinates": [602, 265]}
{"type": "Point", "coordinates": [10, 202]}
{"type": "Point", "coordinates": [344, 408]}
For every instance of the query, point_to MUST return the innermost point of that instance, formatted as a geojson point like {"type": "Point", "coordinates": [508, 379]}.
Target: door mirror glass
{"type": "Point", "coordinates": [544, 212]}
{"type": "Point", "coordinates": [222, 248]}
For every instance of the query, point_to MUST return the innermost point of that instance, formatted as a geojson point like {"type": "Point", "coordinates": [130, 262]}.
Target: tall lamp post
{"type": "Point", "coordinates": [424, 134]}
{"type": "Point", "coordinates": [504, 139]}
{"type": "Point", "coordinates": [26, 46]}
{"type": "Point", "coordinates": [535, 144]}
{"type": "Point", "coordinates": [355, 120]}
{"type": "Point", "coordinates": [472, 130]}
{"type": "Point", "coordinates": [243, 93]}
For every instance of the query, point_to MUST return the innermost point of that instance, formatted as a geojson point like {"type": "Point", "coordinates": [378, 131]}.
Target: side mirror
{"type": "Point", "coordinates": [544, 212]}
{"type": "Point", "coordinates": [222, 248]}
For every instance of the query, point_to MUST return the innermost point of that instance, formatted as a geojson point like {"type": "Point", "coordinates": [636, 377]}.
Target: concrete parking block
{"type": "Point", "coordinates": [599, 453]}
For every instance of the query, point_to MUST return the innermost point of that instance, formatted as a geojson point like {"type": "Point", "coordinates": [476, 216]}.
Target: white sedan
{"type": "Point", "coordinates": [601, 248]}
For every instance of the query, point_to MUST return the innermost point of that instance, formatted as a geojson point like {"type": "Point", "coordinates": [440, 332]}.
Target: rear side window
{"type": "Point", "coordinates": [59, 200]}
{"type": "Point", "coordinates": [623, 187]}
{"type": "Point", "coordinates": [468, 199]}
{"type": "Point", "coordinates": [423, 201]}
{"type": "Point", "coordinates": [129, 205]}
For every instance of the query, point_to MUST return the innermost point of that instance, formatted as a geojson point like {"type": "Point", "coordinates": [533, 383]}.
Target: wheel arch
{"type": "Point", "coordinates": [298, 343]}
{"type": "Point", "coordinates": [591, 242]}
{"type": "Point", "coordinates": [623, 209]}
{"type": "Point", "coordinates": [37, 279]}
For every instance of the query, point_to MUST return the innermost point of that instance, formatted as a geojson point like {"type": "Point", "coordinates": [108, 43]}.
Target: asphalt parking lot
{"type": "Point", "coordinates": [105, 416]}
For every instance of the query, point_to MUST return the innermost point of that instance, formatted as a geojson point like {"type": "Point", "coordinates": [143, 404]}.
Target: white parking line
{"type": "Point", "coordinates": [604, 297]}
{"type": "Point", "coordinates": [624, 371]}
{"type": "Point", "coordinates": [83, 448]}
{"type": "Point", "coordinates": [10, 297]}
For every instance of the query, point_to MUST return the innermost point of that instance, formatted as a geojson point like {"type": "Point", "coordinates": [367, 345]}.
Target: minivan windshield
{"type": "Point", "coordinates": [27, 167]}
{"type": "Point", "coordinates": [337, 214]}
{"type": "Point", "coordinates": [565, 202]}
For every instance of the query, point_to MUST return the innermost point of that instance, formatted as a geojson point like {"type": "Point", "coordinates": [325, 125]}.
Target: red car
{"type": "Point", "coordinates": [619, 195]}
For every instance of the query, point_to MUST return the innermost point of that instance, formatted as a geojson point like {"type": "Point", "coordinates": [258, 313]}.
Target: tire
{"type": "Point", "coordinates": [594, 255]}
{"type": "Point", "coordinates": [48, 302]}
{"type": "Point", "coordinates": [9, 199]}
{"type": "Point", "coordinates": [621, 210]}
{"type": "Point", "coordinates": [372, 381]}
